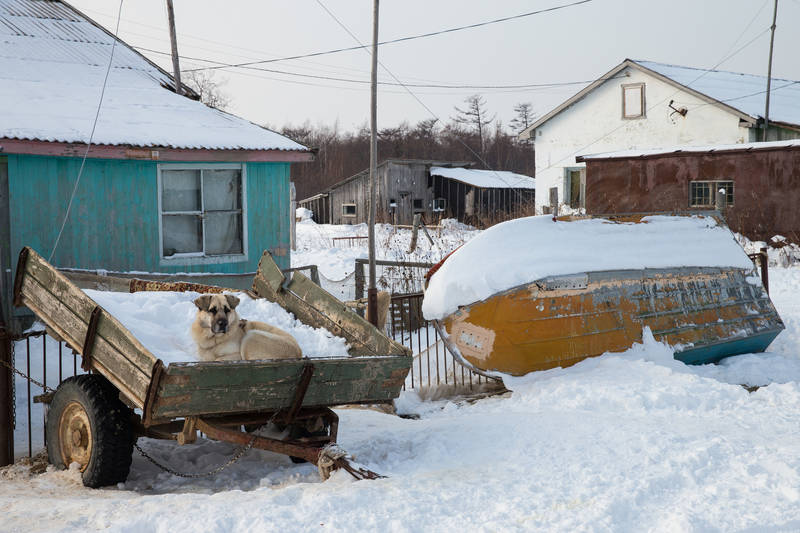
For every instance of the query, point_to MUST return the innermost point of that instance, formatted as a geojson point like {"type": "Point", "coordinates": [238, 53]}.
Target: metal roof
{"type": "Point", "coordinates": [53, 60]}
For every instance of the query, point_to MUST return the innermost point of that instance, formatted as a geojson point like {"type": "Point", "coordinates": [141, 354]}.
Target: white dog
{"type": "Point", "coordinates": [222, 336]}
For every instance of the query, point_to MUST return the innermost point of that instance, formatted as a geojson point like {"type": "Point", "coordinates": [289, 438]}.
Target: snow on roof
{"type": "Point", "coordinates": [52, 64]}
{"type": "Point", "coordinates": [486, 179]}
{"type": "Point", "coordinates": [744, 92]}
{"type": "Point", "coordinates": [524, 250]}
{"type": "Point", "coordinates": [683, 149]}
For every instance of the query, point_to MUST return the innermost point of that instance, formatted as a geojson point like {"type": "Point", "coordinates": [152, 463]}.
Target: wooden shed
{"type": "Point", "coordinates": [761, 182]}
{"type": "Point", "coordinates": [158, 182]}
{"type": "Point", "coordinates": [436, 189]}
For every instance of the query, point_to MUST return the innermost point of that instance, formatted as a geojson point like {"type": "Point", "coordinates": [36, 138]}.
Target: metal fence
{"type": "Point", "coordinates": [434, 371]}
{"type": "Point", "coordinates": [47, 362]}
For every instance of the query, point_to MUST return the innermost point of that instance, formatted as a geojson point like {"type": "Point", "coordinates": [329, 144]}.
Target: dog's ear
{"type": "Point", "coordinates": [203, 302]}
{"type": "Point", "coordinates": [233, 301]}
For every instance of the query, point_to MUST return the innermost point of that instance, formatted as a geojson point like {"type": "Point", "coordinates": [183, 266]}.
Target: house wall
{"type": "Point", "coordinates": [595, 124]}
{"type": "Point", "coordinates": [766, 187]}
{"type": "Point", "coordinates": [114, 220]}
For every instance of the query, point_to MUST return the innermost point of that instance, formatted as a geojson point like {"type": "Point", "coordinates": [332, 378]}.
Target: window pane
{"type": "Point", "coordinates": [180, 190]}
{"type": "Point", "coordinates": [224, 233]}
{"type": "Point", "coordinates": [182, 234]}
{"type": "Point", "coordinates": [222, 189]}
{"type": "Point", "coordinates": [633, 101]}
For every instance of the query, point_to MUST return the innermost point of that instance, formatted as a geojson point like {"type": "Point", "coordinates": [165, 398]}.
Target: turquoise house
{"type": "Point", "coordinates": [104, 166]}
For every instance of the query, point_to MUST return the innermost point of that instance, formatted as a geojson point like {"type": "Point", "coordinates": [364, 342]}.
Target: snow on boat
{"type": "Point", "coordinates": [537, 292]}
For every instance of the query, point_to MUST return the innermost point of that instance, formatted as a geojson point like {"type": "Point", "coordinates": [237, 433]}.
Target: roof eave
{"type": "Point", "coordinates": [155, 153]}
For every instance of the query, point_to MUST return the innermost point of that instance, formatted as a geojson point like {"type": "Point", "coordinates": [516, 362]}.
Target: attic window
{"type": "Point", "coordinates": [633, 101]}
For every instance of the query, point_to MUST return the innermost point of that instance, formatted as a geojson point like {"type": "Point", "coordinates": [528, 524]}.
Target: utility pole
{"type": "Point", "coordinates": [769, 69]}
{"type": "Point", "coordinates": [174, 41]}
{"type": "Point", "coordinates": [372, 291]}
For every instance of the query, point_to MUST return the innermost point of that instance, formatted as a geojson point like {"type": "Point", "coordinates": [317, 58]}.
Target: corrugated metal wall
{"type": "Point", "coordinates": [114, 220]}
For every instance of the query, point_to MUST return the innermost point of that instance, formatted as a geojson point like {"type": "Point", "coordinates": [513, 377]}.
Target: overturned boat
{"type": "Point", "coordinates": [542, 292]}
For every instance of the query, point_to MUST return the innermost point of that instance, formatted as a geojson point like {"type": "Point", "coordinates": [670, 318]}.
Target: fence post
{"type": "Point", "coordinates": [6, 398]}
{"type": "Point", "coordinates": [359, 279]}
{"type": "Point", "coordinates": [764, 260]}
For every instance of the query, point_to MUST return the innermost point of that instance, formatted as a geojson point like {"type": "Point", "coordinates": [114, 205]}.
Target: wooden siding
{"type": "Point", "coordinates": [114, 221]}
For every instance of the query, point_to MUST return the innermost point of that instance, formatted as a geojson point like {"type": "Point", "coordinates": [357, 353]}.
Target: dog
{"type": "Point", "coordinates": [222, 336]}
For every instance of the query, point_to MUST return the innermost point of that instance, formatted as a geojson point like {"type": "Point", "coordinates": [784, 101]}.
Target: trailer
{"type": "Point", "coordinates": [94, 419]}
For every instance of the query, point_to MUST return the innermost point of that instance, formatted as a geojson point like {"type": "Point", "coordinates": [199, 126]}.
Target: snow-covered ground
{"type": "Point", "coordinates": [630, 442]}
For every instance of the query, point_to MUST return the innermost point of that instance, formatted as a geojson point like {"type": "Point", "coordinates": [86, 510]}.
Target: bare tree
{"type": "Point", "coordinates": [209, 89]}
{"type": "Point", "coordinates": [524, 117]}
{"type": "Point", "coordinates": [476, 118]}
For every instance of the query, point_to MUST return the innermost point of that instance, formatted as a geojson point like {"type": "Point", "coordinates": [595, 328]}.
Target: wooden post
{"type": "Point", "coordinates": [6, 398]}
{"type": "Point", "coordinates": [174, 42]}
{"type": "Point", "coordinates": [372, 293]}
{"type": "Point", "coordinates": [720, 201]}
{"type": "Point", "coordinates": [764, 264]}
{"type": "Point", "coordinates": [769, 68]}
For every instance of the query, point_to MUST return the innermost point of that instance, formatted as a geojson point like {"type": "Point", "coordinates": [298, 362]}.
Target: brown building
{"type": "Point", "coordinates": [761, 182]}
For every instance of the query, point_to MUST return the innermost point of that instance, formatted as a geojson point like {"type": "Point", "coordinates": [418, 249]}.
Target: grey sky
{"type": "Point", "coordinates": [573, 44]}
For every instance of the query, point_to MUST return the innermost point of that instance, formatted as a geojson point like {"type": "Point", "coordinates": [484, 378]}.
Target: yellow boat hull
{"type": "Point", "coordinates": [704, 313]}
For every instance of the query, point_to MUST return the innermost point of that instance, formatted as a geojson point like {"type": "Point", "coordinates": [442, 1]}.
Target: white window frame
{"type": "Point", "coordinates": [200, 258]}
{"type": "Point", "coordinates": [642, 93]}
{"type": "Point", "coordinates": [347, 215]}
{"type": "Point", "coordinates": [714, 187]}
{"type": "Point", "coordinates": [439, 205]}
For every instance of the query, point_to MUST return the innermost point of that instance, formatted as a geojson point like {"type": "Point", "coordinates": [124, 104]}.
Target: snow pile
{"type": "Point", "coordinates": [161, 321]}
{"type": "Point", "coordinates": [622, 442]}
{"type": "Point", "coordinates": [302, 214]}
{"type": "Point", "coordinates": [526, 249]}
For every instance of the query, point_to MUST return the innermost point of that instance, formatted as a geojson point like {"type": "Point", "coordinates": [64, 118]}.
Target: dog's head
{"type": "Point", "coordinates": [217, 312]}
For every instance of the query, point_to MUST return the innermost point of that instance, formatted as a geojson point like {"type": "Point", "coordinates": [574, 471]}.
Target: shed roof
{"type": "Point", "coordinates": [53, 60]}
{"type": "Point", "coordinates": [740, 94]}
{"type": "Point", "coordinates": [741, 147]}
{"type": "Point", "coordinates": [486, 179]}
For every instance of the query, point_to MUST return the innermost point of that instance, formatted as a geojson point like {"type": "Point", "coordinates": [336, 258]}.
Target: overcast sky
{"type": "Point", "coordinates": [575, 44]}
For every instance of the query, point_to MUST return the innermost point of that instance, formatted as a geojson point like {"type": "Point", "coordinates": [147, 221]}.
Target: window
{"type": "Point", "coordinates": [633, 101]}
{"type": "Point", "coordinates": [418, 205]}
{"type": "Point", "coordinates": [348, 210]}
{"type": "Point", "coordinates": [439, 205]}
{"type": "Point", "coordinates": [202, 211]}
{"type": "Point", "coordinates": [703, 193]}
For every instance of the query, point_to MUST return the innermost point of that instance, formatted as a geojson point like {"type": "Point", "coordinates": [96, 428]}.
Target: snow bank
{"type": "Point", "coordinates": [526, 249]}
{"type": "Point", "coordinates": [162, 321]}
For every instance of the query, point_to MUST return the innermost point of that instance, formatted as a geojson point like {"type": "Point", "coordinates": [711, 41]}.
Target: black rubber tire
{"type": "Point", "coordinates": [109, 423]}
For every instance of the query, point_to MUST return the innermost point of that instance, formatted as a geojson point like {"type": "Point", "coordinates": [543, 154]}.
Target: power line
{"type": "Point", "coordinates": [401, 39]}
{"type": "Point", "coordinates": [366, 82]}
{"type": "Point", "coordinates": [91, 136]}
{"type": "Point", "coordinates": [434, 115]}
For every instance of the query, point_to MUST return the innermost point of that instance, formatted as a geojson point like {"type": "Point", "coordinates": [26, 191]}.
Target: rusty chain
{"type": "Point", "coordinates": [238, 455]}
{"type": "Point", "coordinates": [25, 376]}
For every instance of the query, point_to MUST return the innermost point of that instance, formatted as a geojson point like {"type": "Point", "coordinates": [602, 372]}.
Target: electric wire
{"type": "Point", "coordinates": [434, 115]}
{"type": "Point", "coordinates": [91, 137]}
{"type": "Point", "coordinates": [401, 39]}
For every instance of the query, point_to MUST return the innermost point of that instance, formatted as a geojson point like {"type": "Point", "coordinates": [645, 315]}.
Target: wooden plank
{"type": "Point", "coordinates": [212, 388]}
{"type": "Point", "coordinates": [73, 298]}
{"type": "Point", "coordinates": [316, 307]}
{"type": "Point", "coordinates": [72, 328]}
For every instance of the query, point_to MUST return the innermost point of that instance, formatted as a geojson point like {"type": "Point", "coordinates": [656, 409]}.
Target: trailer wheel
{"type": "Point", "coordinates": [89, 425]}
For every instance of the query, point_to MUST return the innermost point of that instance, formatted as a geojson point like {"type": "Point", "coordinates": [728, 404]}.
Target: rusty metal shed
{"type": "Point", "coordinates": [761, 182]}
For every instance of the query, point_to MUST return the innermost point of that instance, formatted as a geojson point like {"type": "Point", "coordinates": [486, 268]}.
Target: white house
{"type": "Point", "coordinates": [642, 104]}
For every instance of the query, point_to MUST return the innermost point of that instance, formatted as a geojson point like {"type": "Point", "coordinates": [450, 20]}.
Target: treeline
{"type": "Point", "coordinates": [470, 136]}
